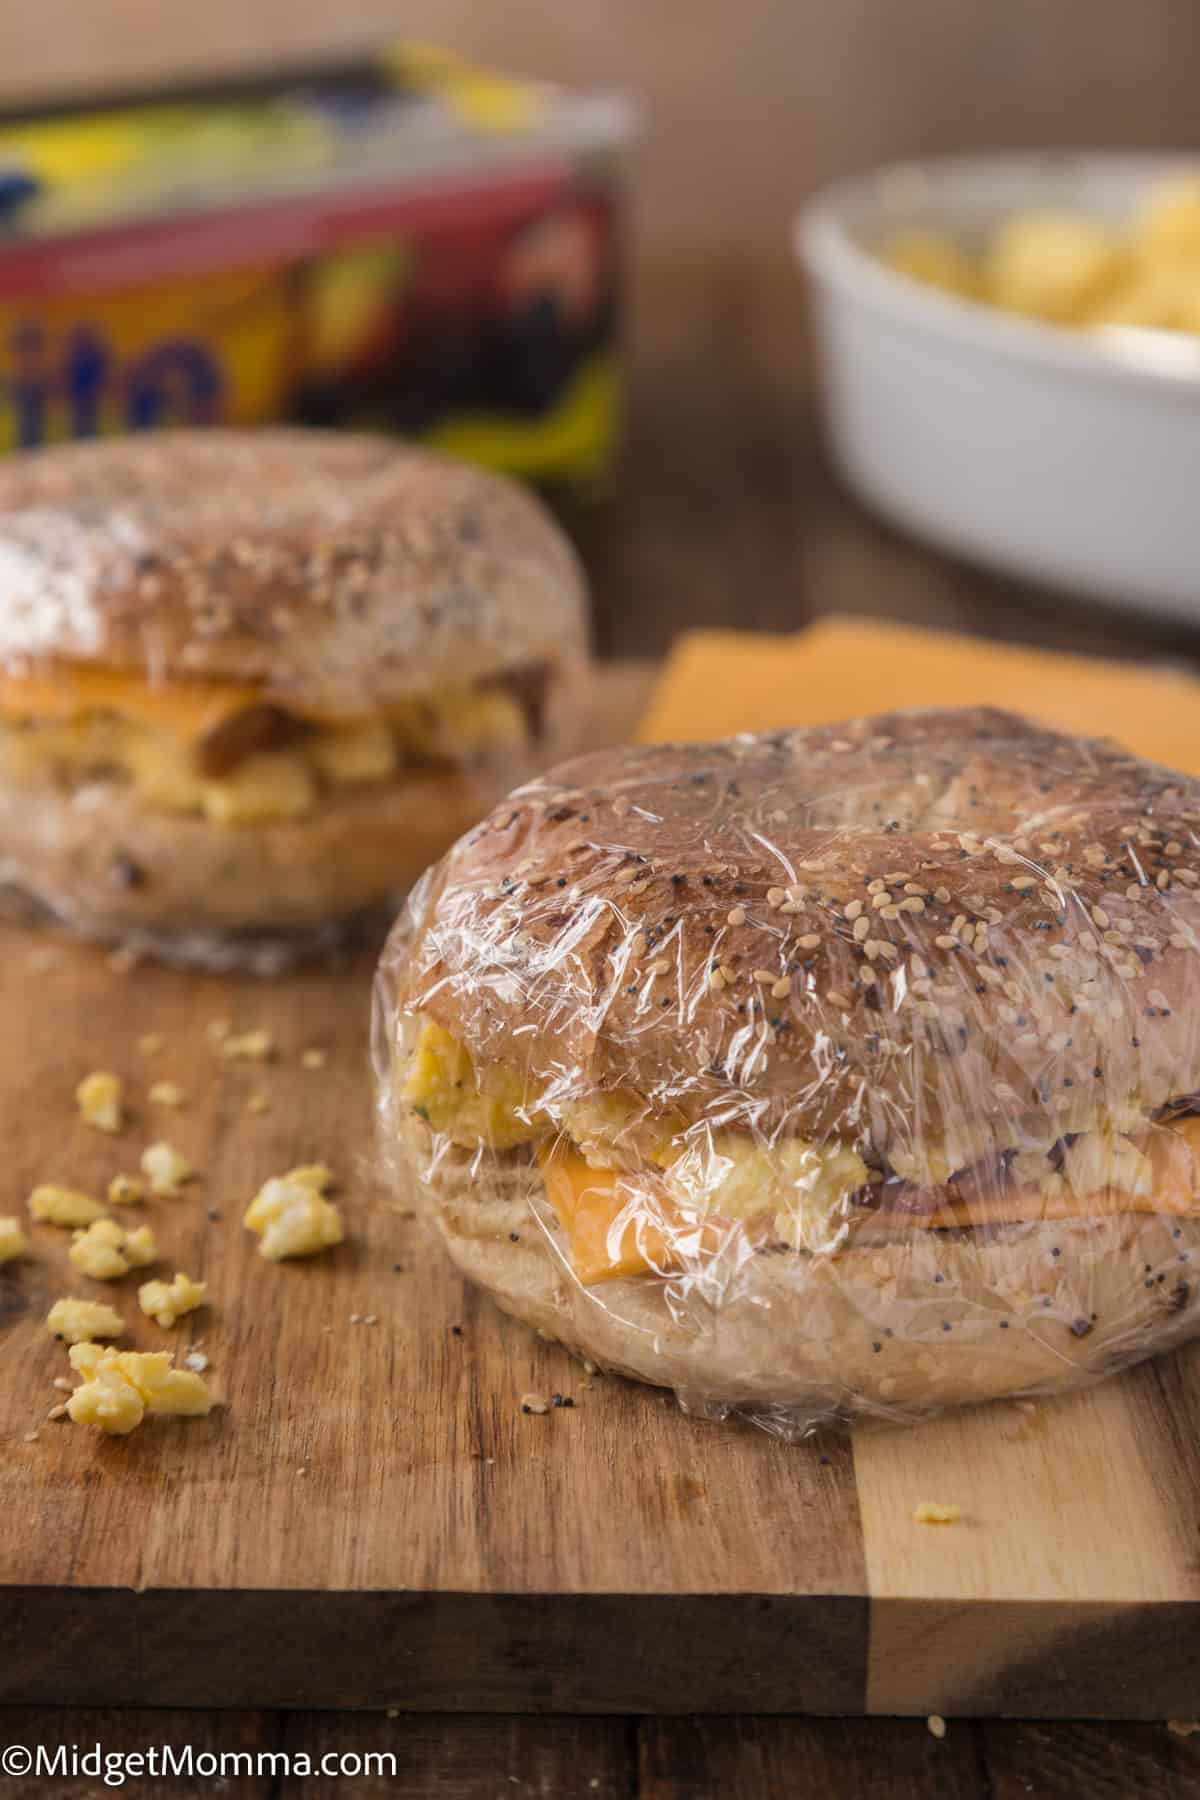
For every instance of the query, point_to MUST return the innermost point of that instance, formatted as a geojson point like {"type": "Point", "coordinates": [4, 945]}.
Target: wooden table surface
{"type": "Point", "coordinates": [724, 513]}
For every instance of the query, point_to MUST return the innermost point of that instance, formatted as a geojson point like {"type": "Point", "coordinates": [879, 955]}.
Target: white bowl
{"type": "Point", "coordinates": [1067, 456]}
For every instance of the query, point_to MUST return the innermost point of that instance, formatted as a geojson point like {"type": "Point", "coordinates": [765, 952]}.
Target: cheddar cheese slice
{"type": "Point", "coordinates": [189, 710]}
{"type": "Point", "coordinates": [590, 1202]}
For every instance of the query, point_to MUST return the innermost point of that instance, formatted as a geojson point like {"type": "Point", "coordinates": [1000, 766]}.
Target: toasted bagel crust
{"type": "Point", "coordinates": [343, 570]}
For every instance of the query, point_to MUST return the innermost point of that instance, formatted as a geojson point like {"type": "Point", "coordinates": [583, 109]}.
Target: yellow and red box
{"type": "Point", "coordinates": [406, 244]}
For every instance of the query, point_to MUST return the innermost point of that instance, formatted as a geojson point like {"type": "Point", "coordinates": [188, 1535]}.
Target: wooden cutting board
{"type": "Point", "coordinates": [370, 1520]}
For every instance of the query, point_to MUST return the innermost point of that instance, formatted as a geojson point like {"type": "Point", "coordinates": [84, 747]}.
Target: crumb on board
{"type": "Point", "coordinates": [167, 1301]}
{"type": "Point", "coordinates": [936, 1512]}
{"type": "Point", "coordinates": [534, 1403]}
{"type": "Point", "coordinates": [936, 1725]}
{"type": "Point", "coordinates": [166, 1169]}
{"type": "Point", "coordinates": [13, 1242]}
{"type": "Point", "coordinates": [314, 1058]}
{"type": "Point", "coordinates": [196, 1361]}
{"type": "Point", "coordinates": [76, 1320]}
{"type": "Point", "coordinates": [126, 1190]}
{"type": "Point", "coordinates": [57, 1412]}
{"type": "Point", "coordinates": [98, 1097]}
{"type": "Point", "coordinates": [248, 1046]}
{"type": "Point", "coordinates": [166, 1093]}
{"type": "Point", "coordinates": [258, 1104]}
{"type": "Point", "coordinates": [120, 1387]}
{"type": "Point", "coordinates": [106, 1251]}
{"type": "Point", "coordinates": [50, 1204]}
{"type": "Point", "coordinates": [292, 1216]}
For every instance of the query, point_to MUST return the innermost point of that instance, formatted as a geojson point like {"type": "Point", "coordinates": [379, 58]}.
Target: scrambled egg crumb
{"type": "Point", "coordinates": [63, 1206]}
{"type": "Point", "coordinates": [258, 1103]}
{"type": "Point", "coordinates": [166, 1169]}
{"type": "Point", "coordinates": [77, 1320]}
{"type": "Point", "coordinates": [106, 1251]}
{"type": "Point", "coordinates": [166, 1302]}
{"type": "Point", "coordinates": [165, 1093]}
{"type": "Point", "coordinates": [292, 1216]}
{"type": "Point", "coordinates": [13, 1241]}
{"type": "Point", "coordinates": [99, 1099]}
{"type": "Point", "coordinates": [121, 1386]}
{"type": "Point", "coordinates": [936, 1725]}
{"type": "Point", "coordinates": [931, 1512]}
{"type": "Point", "coordinates": [248, 1046]}
{"type": "Point", "coordinates": [126, 1190]}
{"type": "Point", "coordinates": [313, 1059]}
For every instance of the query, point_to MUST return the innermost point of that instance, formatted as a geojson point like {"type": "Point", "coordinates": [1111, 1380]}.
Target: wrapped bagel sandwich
{"type": "Point", "coordinates": [835, 1071]}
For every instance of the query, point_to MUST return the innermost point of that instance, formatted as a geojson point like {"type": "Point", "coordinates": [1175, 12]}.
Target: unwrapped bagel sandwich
{"type": "Point", "coordinates": [251, 683]}
{"type": "Point", "coordinates": [835, 1071]}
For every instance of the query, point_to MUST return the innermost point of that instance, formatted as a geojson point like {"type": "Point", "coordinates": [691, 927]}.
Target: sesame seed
{"type": "Point", "coordinates": [782, 988]}
{"type": "Point", "coordinates": [716, 980]}
{"type": "Point", "coordinates": [737, 916]}
{"type": "Point", "coordinates": [914, 887]}
{"type": "Point", "coordinates": [1174, 848]}
{"type": "Point", "coordinates": [862, 929]}
{"type": "Point", "coordinates": [889, 912]}
{"type": "Point", "coordinates": [896, 877]}
{"type": "Point", "coordinates": [919, 967]}
{"type": "Point", "coordinates": [1022, 882]}
{"type": "Point", "coordinates": [810, 940]}
{"type": "Point", "coordinates": [1162, 880]}
{"type": "Point", "coordinates": [942, 895]}
{"type": "Point", "coordinates": [945, 942]}
{"type": "Point", "coordinates": [914, 904]}
{"type": "Point", "coordinates": [1100, 917]}
{"type": "Point", "coordinates": [876, 887]}
{"type": "Point", "coordinates": [835, 997]}
{"type": "Point", "coordinates": [880, 899]}
{"type": "Point", "coordinates": [660, 965]}
{"type": "Point", "coordinates": [854, 910]}
{"type": "Point", "coordinates": [764, 977]}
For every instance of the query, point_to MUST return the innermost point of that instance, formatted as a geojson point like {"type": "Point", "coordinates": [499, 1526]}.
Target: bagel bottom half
{"type": "Point", "coordinates": [897, 1327]}
{"type": "Point", "coordinates": [102, 863]}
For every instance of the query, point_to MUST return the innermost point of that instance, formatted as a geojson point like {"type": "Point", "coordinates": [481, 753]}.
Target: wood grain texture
{"type": "Point", "coordinates": [368, 1518]}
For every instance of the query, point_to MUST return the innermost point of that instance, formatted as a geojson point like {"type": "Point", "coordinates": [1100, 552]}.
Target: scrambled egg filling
{"type": "Point", "coordinates": [703, 1178]}
{"type": "Point", "coordinates": [105, 726]}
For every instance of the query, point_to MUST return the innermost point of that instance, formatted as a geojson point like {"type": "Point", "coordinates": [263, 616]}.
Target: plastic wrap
{"type": "Point", "coordinates": [833, 1072]}
{"type": "Point", "coordinates": [251, 684]}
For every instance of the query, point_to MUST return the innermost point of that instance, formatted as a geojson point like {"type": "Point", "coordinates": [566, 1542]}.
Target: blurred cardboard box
{"type": "Point", "coordinates": [407, 243]}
